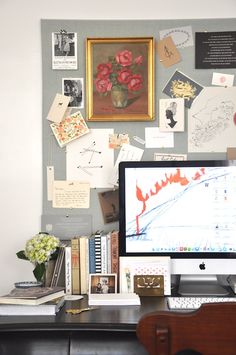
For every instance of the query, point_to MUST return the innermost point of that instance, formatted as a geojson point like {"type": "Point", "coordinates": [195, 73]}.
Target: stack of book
{"type": "Point", "coordinates": [32, 301]}
{"type": "Point", "coordinates": [82, 256]}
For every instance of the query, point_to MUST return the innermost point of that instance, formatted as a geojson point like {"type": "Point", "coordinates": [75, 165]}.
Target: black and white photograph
{"type": "Point", "coordinates": [74, 87]}
{"type": "Point", "coordinates": [64, 50]}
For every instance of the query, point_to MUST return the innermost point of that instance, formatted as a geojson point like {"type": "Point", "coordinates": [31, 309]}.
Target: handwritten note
{"type": "Point", "coordinates": [71, 194]}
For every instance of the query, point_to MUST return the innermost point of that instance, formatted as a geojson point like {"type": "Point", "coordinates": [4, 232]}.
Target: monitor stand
{"type": "Point", "coordinates": [205, 285]}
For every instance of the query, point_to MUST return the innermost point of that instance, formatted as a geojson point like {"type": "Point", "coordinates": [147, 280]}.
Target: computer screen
{"type": "Point", "coordinates": [183, 209]}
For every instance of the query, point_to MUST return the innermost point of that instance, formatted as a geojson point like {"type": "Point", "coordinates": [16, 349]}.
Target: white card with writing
{"type": "Point", "coordinates": [156, 139]}
{"type": "Point", "coordinates": [221, 79]}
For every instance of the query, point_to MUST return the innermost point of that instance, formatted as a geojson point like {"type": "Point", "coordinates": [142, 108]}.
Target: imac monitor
{"type": "Point", "coordinates": [185, 210]}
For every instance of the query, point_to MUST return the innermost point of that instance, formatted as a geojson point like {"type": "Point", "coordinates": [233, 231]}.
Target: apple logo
{"type": "Point", "coordinates": [202, 266]}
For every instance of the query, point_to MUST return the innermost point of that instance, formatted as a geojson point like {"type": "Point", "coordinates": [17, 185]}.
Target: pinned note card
{"type": "Point", "coordinates": [168, 53]}
{"type": "Point", "coordinates": [71, 128]}
{"type": "Point", "coordinates": [58, 108]}
{"type": "Point", "coordinates": [71, 194]}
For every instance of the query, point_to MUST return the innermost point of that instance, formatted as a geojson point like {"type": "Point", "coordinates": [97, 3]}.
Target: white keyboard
{"type": "Point", "coordinates": [185, 303]}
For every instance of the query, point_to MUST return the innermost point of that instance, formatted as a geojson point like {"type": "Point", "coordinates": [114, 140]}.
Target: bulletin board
{"type": "Point", "coordinates": [66, 222]}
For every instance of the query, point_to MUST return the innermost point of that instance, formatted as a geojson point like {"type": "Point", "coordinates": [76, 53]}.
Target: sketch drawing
{"type": "Point", "coordinates": [211, 120]}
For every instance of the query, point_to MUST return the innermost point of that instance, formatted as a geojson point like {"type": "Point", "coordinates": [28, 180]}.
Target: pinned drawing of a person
{"type": "Point", "coordinates": [170, 113]}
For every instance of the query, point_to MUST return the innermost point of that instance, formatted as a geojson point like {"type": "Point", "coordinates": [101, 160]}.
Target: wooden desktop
{"type": "Point", "coordinates": [107, 330]}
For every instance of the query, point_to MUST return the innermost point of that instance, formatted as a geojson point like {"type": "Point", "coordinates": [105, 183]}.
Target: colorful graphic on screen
{"type": "Point", "coordinates": [181, 209]}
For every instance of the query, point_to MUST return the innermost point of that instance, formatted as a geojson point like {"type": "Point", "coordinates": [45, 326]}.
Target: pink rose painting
{"type": "Point", "coordinates": [120, 79]}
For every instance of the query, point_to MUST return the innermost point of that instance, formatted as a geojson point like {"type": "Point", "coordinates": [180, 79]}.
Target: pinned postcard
{"type": "Point", "coordinates": [71, 194]}
{"type": "Point", "coordinates": [71, 128]}
{"type": "Point", "coordinates": [64, 50]}
{"type": "Point", "coordinates": [156, 139]}
{"type": "Point", "coordinates": [170, 157]}
{"type": "Point", "coordinates": [58, 108]}
{"type": "Point", "coordinates": [171, 115]}
{"type": "Point", "coordinates": [90, 159]}
{"type": "Point", "coordinates": [167, 51]}
{"type": "Point", "coordinates": [221, 79]}
{"type": "Point", "coordinates": [127, 153]}
{"type": "Point", "coordinates": [116, 140]}
{"type": "Point", "coordinates": [182, 36]}
{"type": "Point", "coordinates": [212, 120]}
{"type": "Point", "coordinates": [181, 86]}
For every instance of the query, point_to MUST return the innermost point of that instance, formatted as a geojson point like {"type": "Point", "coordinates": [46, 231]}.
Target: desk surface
{"type": "Point", "coordinates": [123, 318]}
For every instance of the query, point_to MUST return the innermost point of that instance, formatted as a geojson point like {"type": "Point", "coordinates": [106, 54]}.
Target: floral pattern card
{"type": "Point", "coordinates": [72, 127]}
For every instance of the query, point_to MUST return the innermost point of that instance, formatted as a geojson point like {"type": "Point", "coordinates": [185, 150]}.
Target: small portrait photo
{"type": "Point", "coordinates": [74, 87]}
{"type": "Point", "coordinates": [103, 283]}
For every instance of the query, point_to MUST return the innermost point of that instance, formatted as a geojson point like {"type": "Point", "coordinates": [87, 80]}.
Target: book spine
{"type": "Point", "coordinates": [109, 253]}
{"type": "Point", "coordinates": [68, 280]}
{"type": "Point", "coordinates": [115, 253]}
{"type": "Point", "coordinates": [98, 265]}
{"type": "Point", "coordinates": [92, 266]}
{"type": "Point", "coordinates": [58, 267]}
{"type": "Point", "coordinates": [83, 265]}
{"type": "Point", "coordinates": [104, 254]}
{"type": "Point", "coordinates": [75, 256]}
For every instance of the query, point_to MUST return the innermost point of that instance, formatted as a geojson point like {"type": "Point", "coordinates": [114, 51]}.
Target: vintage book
{"type": "Point", "coordinates": [98, 264]}
{"type": "Point", "coordinates": [109, 252]}
{"type": "Point", "coordinates": [49, 272]}
{"type": "Point", "coordinates": [58, 277]}
{"type": "Point", "coordinates": [68, 278]}
{"type": "Point", "coordinates": [32, 295]}
{"type": "Point", "coordinates": [75, 266]}
{"type": "Point", "coordinates": [84, 269]}
{"type": "Point", "coordinates": [104, 254]}
{"type": "Point", "coordinates": [45, 309]}
{"type": "Point", "coordinates": [92, 266]}
{"type": "Point", "coordinates": [69, 129]}
{"type": "Point", "coordinates": [115, 252]}
{"type": "Point", "coordinates": [114, 299]}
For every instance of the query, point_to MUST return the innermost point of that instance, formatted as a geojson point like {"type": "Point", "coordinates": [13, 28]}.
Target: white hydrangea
{"type": "Point", "coordinates": [40, 248]}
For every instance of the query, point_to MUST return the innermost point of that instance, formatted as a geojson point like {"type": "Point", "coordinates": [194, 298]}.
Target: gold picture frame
{"type": "Point", "coordinates": [120, 79]}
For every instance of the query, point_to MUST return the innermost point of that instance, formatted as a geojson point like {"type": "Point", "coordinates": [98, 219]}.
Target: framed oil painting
{"type": "Point", "coordinates": [120, 79]}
